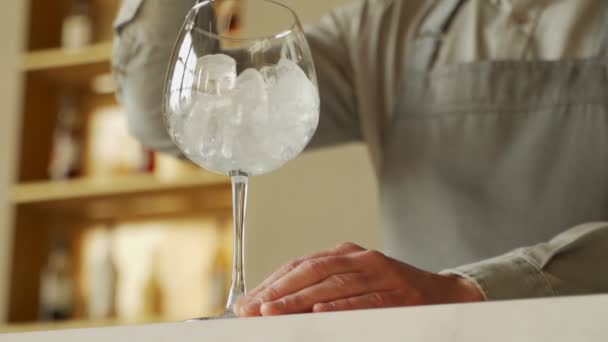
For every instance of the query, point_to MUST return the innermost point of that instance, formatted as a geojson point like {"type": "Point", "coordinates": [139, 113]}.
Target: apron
{"type": "Point", "coordinates": [482, 158]}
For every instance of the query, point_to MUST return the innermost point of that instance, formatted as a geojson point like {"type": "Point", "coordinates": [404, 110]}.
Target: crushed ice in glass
{"type": "Point", "coordinates": [253, 122]}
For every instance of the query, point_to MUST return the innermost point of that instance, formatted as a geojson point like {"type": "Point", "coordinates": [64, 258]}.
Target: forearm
{"type": "Point", "coordinates": [572, 263]}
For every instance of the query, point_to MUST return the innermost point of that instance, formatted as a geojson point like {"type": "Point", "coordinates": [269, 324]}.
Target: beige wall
{"type": "Point", "coordinates": [309, 11]}
{"type": "Point", "coordinates": [11, 39]}
{"type": "Point", "coordinates": [315, 202]}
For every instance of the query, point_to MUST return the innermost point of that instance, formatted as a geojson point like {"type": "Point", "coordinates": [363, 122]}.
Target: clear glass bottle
{"type": "Point", "coordinates": [100, 272]}
{"type": "Point", "coordinates": [65, 152]}
{"type": "Point", "coordinates": [77, 28]}
{"type": "Point", "coordinates": [57, 285]}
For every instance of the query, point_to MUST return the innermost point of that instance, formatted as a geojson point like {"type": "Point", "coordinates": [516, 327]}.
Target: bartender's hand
{"type": "Point", "coordinates": [350, 277]}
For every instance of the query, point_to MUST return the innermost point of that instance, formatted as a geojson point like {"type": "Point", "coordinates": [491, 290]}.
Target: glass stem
{"type": "Point", "coordinates": [239, 206]}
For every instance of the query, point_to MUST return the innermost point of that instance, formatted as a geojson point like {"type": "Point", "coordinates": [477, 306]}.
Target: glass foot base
{"type": "Point", "coordinates": [228, 314]}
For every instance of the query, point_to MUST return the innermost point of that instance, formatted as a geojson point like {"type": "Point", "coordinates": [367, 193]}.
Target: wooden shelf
{"type": "Point", "coordinates": [103, 187]}
{"type": "Point", "coordinates": [123, 197]}
{"type": "Point", "coordinates": [61, 58]}
{"type": "Point", "coordinates": [69, 67]}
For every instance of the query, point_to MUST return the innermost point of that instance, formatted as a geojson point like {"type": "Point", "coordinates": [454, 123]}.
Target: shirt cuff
{"type": "Point", "coordinates": [510, 276]}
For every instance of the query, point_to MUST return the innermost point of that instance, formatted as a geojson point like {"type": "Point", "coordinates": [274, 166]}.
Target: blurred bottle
{"type": "Point", "coordinates": [100, 273]}
{"type": "Point", "coordinates": [170, 168]}
{"type": "Point", "coordinates": [111, 149]}
{"type": "Point", "coordinates": [65, 152]}
{"type": "Point", "coordinates": [57, 285]}
{"type": "Point", "coordinates": [77, 27]}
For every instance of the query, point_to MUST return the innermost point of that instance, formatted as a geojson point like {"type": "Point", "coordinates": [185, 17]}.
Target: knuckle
{"type": "Point", "coordinates": [271, 293]}
{"type": "Point", "coordinates": [414, 297]}
{"type": "Point", "coordinates": [290, 266]}
{"type": "Point", "coordinates": [394, 281]}
{"type": "Point", "coordinates": [316, 267]}
{"type": "Point", "coordinates": [339, 281]}
{"type": "Point", "coordinates": [293, 264]}
{"type": "Point", "coordinates": [348, 247]}
{"type": "Point", "coordinates": [376, 299]}
{"type": "Point", "coordinates": [375, 257]}
{"type": "Point", "coordinates": [401, 298]}
{"type": "Point", "coordinates": [347, 304]}
{"type": "Point", "coordinates": [295, 301]}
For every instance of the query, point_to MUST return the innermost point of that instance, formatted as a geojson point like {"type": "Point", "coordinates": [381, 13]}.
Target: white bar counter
{"type": "Point", "coordinates": [556, 319]}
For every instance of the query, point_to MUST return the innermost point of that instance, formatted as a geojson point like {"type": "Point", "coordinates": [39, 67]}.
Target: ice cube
{"type": "Point", "coordinates": [229, 136]}
{"type": "Point", "coordinates": [269, 73]}
{"type": "Point", "coordinates": [265, 120]}
{"type": "Point", "coordinates": [215, 74]}
{"type": "Point", "coordinates": [251, 99]}
{"type": "Point", "coordinates": [200, 132]}
{"type": "Point", "coordinates": [294, 110]}
{"type": "Point", "coordinates": [293, 95]}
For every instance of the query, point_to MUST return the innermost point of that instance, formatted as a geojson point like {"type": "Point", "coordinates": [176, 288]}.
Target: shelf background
{"type": "Point", "coordinates": [126, 197]}
{"type": "Point", "coordinates": [69, 68]}
{"type": "Point", "coordinates": [58, 58]}
{"type": "Point", "coordinates": [79, 189]}
{"type": "Point", "coordinates": [12, 35]}
{"type": "Point", "coordinates": [315, 202]}
{"type": "Point", "coordinates": [43, 208]}
{"type": "Point", "coordinates": [45, 17]}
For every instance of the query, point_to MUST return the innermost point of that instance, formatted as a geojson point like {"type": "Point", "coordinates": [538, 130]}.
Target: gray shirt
{"type": "Point", "coordinates": [448, 196]}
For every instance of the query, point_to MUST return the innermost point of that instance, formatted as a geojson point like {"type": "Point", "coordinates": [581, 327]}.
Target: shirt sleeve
{"type": "Point", "coordinates": [573, 263]}
{"type": "Point", "coordinates": [145, 35]}
{"type": "Point", "coordinates": [330, 42]}
{"type": "Point", "coordinates": [145, 32]}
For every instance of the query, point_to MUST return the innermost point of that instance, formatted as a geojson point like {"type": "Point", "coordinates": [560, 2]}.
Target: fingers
{"type": "Point", "coordinates": [249, 305]}
{"type": "Point", "coordinates": [306, 275]}
{"type": "Point", "coordinates": [367, 301]}
{"type": "Point", "coordinates": [341, 249]}
{"type": "Point", "coordinates": [347, 278]}
{"type": "Point", "coordinates": [334, 287]}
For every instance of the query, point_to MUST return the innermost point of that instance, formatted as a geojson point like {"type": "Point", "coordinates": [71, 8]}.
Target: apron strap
{"type": "Point", "coordinates": [602, 36]}
{"type": "Point", "coordinates": [430, 34]}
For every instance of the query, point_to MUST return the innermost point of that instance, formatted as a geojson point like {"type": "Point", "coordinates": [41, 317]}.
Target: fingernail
{"type": "Point", "coordinates": [251, 308]}
{"type": "Point", "coordinates": [236, 308]}
{"type": "Point", "coordinates": [266, 298]}
{"type": "Point", "coordinates": [272, 307]}
{"type": "Point", "coordinates": [322, 307]}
